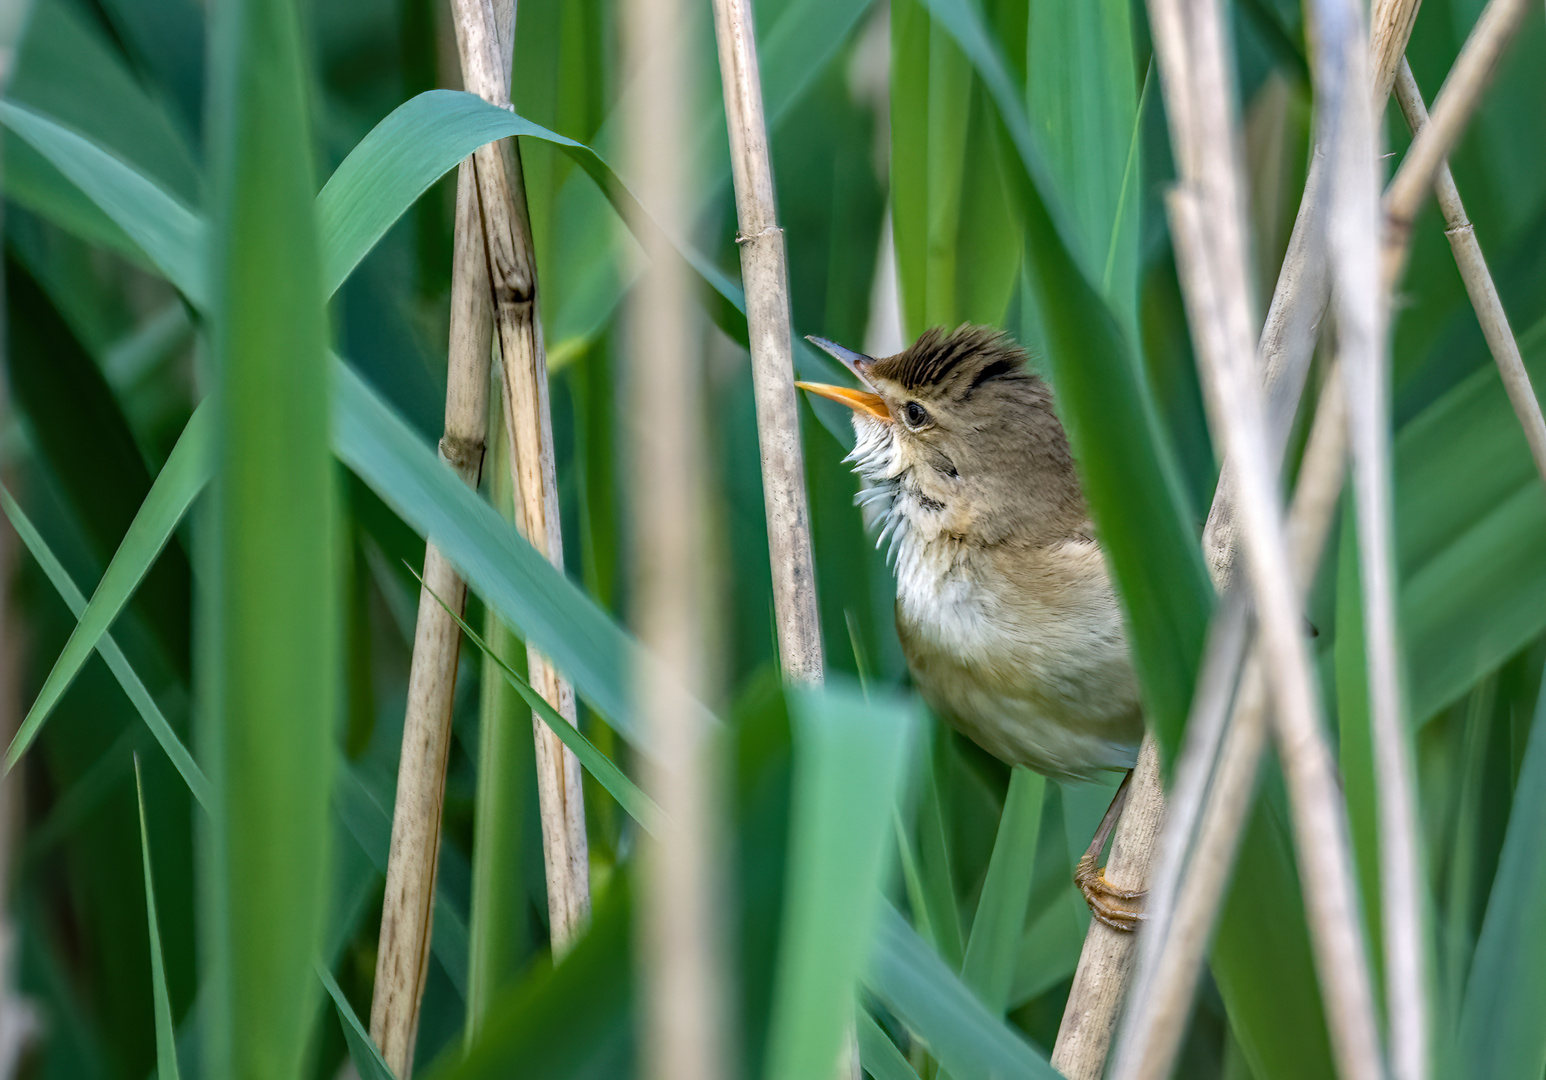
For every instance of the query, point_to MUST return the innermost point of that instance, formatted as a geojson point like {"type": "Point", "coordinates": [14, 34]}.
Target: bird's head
{"type": "Point", "coordinates": [958, 424]}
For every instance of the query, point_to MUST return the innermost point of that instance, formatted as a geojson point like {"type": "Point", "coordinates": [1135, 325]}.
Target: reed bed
{"type": "Point", "coordinates": [343, 336]}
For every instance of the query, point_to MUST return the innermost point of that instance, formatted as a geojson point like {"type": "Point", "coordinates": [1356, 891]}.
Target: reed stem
{"type": "Point", "coordinates": [683, 986]}
{"type": "Point", "coordinates": [407, 914]}
{"type": "Point", "coordinates": [528, 422]}
{"type": "Point", "coordinates": [766, 280]}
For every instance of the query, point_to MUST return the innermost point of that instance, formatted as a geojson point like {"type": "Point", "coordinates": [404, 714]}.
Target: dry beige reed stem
{"type": "Point", "coordinates": [1361, 305]}
{"type": "Point", "coordinates": [766, 280]}
{"type": "Point", "coordinates": [682, 988]}
{"type": "Point", "coordinates": [513, 283]}
{"type": "Point", "coordinates": [1213, 261]}
{"type": "Point", "coordinates": [402, 957]}
{"type": "Point", "coordinates": [1478, 283]}
{"type": "Point", "coordinates": [1496, 27]}
{"type": "Point", "coordinates": [1299, 298]}
{"type": "Point", "coordinates": [1171, 964]}
{"type": "Point", "coordinates": [1100, 980]}
{"type": "Point", "coordinates": [1173, 953]}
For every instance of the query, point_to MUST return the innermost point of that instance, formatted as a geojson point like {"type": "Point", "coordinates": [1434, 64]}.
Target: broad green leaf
{"type": "Point", "coordinates": [181, 479]}
{"type": "Point", "coordinates": [423, 140]}
{"type": "Point", "coordinates": [166, 1035]}
{"type": "Point", "coordinates": [1082, 98]}
{"type": "Point", "coordinates": [910, 979]}
{"type": "Point", "coordinates": [992, 949]}
{"type": "Point", "coordinates": [69, 69]}
{"type": "Point", "coordinates": [78, 426]}
{"type": "Point", "coordinates": [639, 806]}
{"type": "Point", "coordinates": [1501, 1035]}
{"type": "Point", "coordinates": [1467, 531]}
{"type": "Point", "coordinates": [386, 453]}
{"type": "Point", "coordinates": [936, 863]}
{"type": "Point", "coordinates": [169, 233]}
{"type": "Point", "coordinates": [1267, 980]}
{"type": "Point", "coordinates": [879, 1055]}
{"type": "Point", "coordinates": [954, 227]}
{"type": "Point", "coordinates": [192, 775]}
{"type": "Point", "coordinates": [545, 606]}
{"type": "Point", "coordinates": [270, 658]}
{"type": "Point", "coordinates": [850, 751]}
{"type": "Point", "coordinates": [362, 1049]}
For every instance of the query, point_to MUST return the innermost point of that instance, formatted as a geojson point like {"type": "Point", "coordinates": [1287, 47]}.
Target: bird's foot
{"type": "Point", "coordinates": [1120, 909]}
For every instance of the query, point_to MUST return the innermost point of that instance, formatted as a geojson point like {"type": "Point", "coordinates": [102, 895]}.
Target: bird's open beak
{"type": "Point", "coordinates": [857, 400]}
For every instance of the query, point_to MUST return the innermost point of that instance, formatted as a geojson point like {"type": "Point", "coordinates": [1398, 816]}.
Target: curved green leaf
{"type": "Point", "coordinates": [547, 608]}
{"type": "Point", "coordinates": [172, 236]}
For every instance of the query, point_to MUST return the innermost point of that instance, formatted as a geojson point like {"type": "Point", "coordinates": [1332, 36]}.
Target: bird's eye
{"type": "Point", "coordinates": [915, 415]}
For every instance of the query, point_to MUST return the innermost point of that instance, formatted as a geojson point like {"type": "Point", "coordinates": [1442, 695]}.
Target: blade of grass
{"type": "Point", "coordinates": [849, 757]}
{"type": "Point", "coordinates": [368, 1062]}
{"type": "Point", "coordinates": [879, 1055]}
{"type": "Point", "coordinates": [166, 1035]}
{"type": "Point", "coordinates": [181, 479]}
{"type": "Point", "coordinates": [992, 949]}
{"type": "Point", "coordinates": [117, 663]}
{"type": "Point", "coordinates": [912, 981]}
{"type": "Point", "coordinates": [268, 686]}
{"type": "Point", "coordinates": [1500, 1034]}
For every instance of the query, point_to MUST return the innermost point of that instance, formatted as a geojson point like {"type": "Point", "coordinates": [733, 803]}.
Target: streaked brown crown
{"type": "Point", "coordinates": [955, 363]}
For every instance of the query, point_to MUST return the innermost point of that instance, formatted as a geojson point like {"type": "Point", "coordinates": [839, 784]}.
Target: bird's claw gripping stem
{"type": "Point", "coordinates": [1117, 908]}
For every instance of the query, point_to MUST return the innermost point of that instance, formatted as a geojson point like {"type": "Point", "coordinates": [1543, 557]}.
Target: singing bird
{"type": "Point", "coordinates": [1004, 604]}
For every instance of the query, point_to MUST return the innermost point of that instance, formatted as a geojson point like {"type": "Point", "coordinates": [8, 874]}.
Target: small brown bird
{"type": "Point", "coordinates": [1004, 607]}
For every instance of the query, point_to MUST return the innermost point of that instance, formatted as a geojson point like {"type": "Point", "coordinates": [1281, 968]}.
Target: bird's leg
{"type": "Point", "coordinates": [1117, 908]}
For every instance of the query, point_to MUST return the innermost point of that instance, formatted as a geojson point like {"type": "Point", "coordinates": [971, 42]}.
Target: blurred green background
{"type": "Point", "coordinates": [907, 195]}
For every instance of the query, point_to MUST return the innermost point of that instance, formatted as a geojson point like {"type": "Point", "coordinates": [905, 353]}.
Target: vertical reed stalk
{"type": "Point", "coordinates": [1100, 981]}
{"type": "Point", "coordinates": [682, 987]}
{"type": "Point", "coordinates": [528, 423]}
{"type": "Point", "coordinates": [1212, 259]}
{"type": "Point", "coordinates": [766, 280]}
{"type": "Point", "coordinates": [1179, 927]}
{"type": "Point", "coordinates": [1478, 283]}
{"type": "Point", "coordinates": [1361, 307]}
{"type": "Point", "coordinates": [407, 914]}
{"type": "Point", "coordinates": [1300, 296]}
{"type": "Point", "coordinates": [1182, 915]}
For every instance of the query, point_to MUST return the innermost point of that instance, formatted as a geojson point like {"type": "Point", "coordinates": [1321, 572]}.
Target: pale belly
{"type": "Point", "coordinates": [1048, 685]}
